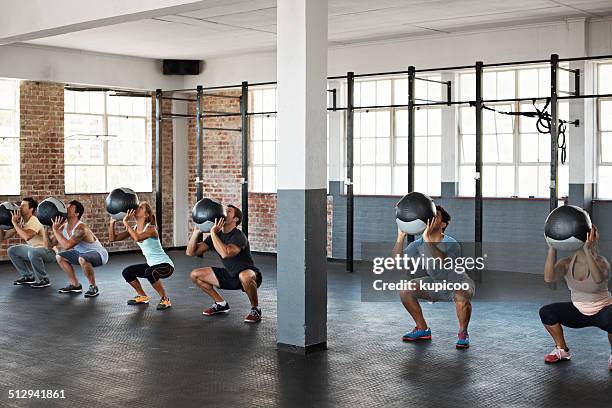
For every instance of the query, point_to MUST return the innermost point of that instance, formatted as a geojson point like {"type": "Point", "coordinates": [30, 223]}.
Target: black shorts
{"type": "Point", "coordinates": [566, 314]}
{"type": "Point", "coordinates": [232, 282]}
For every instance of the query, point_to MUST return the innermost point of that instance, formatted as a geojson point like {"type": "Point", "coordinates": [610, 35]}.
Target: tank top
{"type": "Point", "coordinates": [83, 246]}
{"type": "Point", "coordinates": [588, 296]}
{"type": "Point", "coordinates": [153, 251]}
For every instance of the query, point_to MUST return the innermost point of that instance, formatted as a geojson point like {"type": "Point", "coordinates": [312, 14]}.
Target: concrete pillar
{"type": "Point", "coordinates": [334, 152]}
{"type": "Point", "coordinates": [450, 140]}
{"type": "Point", "coordinates": [301, 207]}
{"type": "Point", "coordinates": [582, 139]}
{"type": "Point", "coordinates": [180, 180]}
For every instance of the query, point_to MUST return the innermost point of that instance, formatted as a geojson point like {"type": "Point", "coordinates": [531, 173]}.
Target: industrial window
{"type": "Point", "coordinates": [263, 141]}
{"type": "Point", "coordinates": [516, 157]}
{"type": "Point", "coordinates": [107, 142]}
{"type": "Point", "coordinates": [9, 137]}
{"type": "Point", "coordinates": [604, 127]}
{"type": "Point", "coordinates": [380, 145]}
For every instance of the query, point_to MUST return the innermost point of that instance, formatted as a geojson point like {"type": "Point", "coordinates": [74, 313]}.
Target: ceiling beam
{"type": "Point", "coordinates": [24, 20]}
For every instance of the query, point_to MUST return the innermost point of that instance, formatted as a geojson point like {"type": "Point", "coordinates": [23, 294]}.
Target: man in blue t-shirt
{"type": "Point", "coordinates": [434, 247]}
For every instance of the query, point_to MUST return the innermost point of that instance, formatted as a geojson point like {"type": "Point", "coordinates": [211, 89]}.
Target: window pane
{"type": "Point", "coordinates": [383, 124]}
{"type": "Point", "coordinates": [89, 179]}
{"type": "Point", "coordinates": [8, 94]}
{"type": "Point", "coordinates": [269, 179]}
{"type": "Point", "coordinates": [257, 153]}
{"type": "Point", "coordinates": [383, 150]}
{"type": "Point", "coordinates": [368, 151]}
{"type": "Point", "coordinates": [529, 147]}
{"type": "Point", "coordinates": [434, 149]}
{"type": "Point", "coordinates": [357, 151]}
{"type": "Point", "coordinates": [489, 85]}
{"type": "Point", "coordinates": [420, 150]}
{"type": "Point", "coordinates": [606, 147]}
{"type": "Point", "coordinates": [269, 128]}
{"type": "Point", "coordinates": [605, 79]}
{"type": "Point", "coordinates": [543, 181]}
{"type": "Point", "coordinates": [528, 181]}
{"type": "Point", "coordinates": [83, 152]}
{"type": "Point", "coordinates": [505, 84]}
{"type": "Point", "coordinates": [257, 130]}
{"type": "Point", "coordinates": [82, 125]}
{"type": "Point", "coordinates": [563, 189]}
{"type": "Point", "coordinates": [8, 124]}
{"type": "Point", "coordinates": [256, 181]}
{"type": "Point", "coordinates": [489, 181]}
{"type": "Point", "coordinates": [468, 148]}
{"type": "Point", "coordinates": [401, 122]}
{"type": "Point", "coordinates": [400, 180]}
{"type": "Point", "coordinates": [400, 91]}
{"type": "Point", "coordinates": [96, 102]}
{"type": "Point", "coordinates": [434, 122]}
{"type": "Point", "coordinates": [434, 176]}
{"type": "Point", "coordinates": [135, 177]}
{"type": "Point", "coordinates": [383, 92]}
{"type": "Point", "coordinates": [401, 150]}
{"type": "Point", "coordinates": [420, 122]}
{"type": "Point", "coordinates": [269, 100]}
{"type": "Point", "coordinates": [269, 153]}
{"type": "Point", "coordinates": [468, 121]}
{"type": "Point", "coordinates": [383, 180]}
{"type": "Point", "coordinates": [368, 180]}
{"type": "Point", "coordinates": [368, 93]}
{"type": "Point", "coordinates": [528, 83]}
{"type": "Point", "coordinates": [467, 186]}
{"type": "Point", "coordinates": [605, 114]}
{"type": "Point", "coordinates": [9, 180]}
{"type": "Point", "coordinates": [604, 182]}
{"type": "Point", "coordinates": [505, 181]}
{"type": "Point", "coordinates": [468, 87]}
{"type": "Point", "coordinates": [434, 89]}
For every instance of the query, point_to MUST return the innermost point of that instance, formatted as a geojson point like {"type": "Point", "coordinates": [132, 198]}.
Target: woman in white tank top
{"type": "Point", "coordinates": [586, 274]}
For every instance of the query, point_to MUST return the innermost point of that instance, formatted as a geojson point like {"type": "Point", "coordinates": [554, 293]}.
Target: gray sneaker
{"type": "Point", "coordinates": [43, 283]}
{"type": "Point", "coordinates": [92, 291]}
{"type": "Point", "coordinates": [71, 289]}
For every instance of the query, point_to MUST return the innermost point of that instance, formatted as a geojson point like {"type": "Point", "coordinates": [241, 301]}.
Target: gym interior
{"type": "Point", "coordinates": [303, 162]}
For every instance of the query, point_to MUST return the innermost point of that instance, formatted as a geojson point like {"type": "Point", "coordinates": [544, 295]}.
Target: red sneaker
{"type": "Point", "coordinates": [558, 354]}
{"type": "Point", "coordinates": [216, 309]}
{"type": "Point", "coordinates": [254, 316]}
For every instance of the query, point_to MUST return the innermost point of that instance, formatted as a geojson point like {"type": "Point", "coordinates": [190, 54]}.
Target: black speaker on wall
{"type": "Point", "coordinates": [181, 67]}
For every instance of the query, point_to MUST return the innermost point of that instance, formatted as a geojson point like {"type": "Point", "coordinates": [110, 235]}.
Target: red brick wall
{"type": "Point", "coordinates": [222, 172]}
{"type": "Point", "coordinates": [42, 162]}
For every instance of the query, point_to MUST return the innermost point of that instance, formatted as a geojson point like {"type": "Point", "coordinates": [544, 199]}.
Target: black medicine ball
{"type": "Point", "coordinates": [205, 212]}
{"type": "Point", "coordinates": [119, 201]}
{"type": "Point", "coordinates": [49, 209]}
{"type": "Point", "coordinates": [413, 211]}
{"type": "Point", "coordinates": [5, 215]}
{"type": "Point", "coordinates": [567, 228]}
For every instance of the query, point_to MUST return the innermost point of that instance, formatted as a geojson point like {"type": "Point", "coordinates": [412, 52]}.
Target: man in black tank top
{"type": "Point", "coordinates": [239, 270]}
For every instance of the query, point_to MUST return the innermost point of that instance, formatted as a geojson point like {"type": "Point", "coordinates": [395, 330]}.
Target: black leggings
{"type": "Point", "coordinates": [152, 273]}
{"type": "Point", "coordinates": [567, 315]}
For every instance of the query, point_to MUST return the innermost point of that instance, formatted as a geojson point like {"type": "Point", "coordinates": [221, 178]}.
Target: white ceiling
{"type": "Point", "coordinates": [238, 26]}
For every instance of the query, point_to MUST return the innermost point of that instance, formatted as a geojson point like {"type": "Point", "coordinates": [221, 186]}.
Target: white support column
{"type": "Point", "coordinates": [334, 155]}
{"type": "Point", "coordinates": [582, 139]}
{"type": "Point", "coordinates": [450, 141]}
{"type": "Point", "coordinates": [180, 181]}
{"type": "Point", "coordinates": [302, 205]}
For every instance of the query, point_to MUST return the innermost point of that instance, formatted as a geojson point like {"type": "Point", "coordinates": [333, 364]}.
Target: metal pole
{"type": "Point", "coordinates": [411, 128]}
{"type": "Point", "coordinates": [199, 144]}
{"type": "Point", "coordinates": [244, 127]}
{"type": "Point", "coordinates": [554, 120]}
{"type": "Point", "coordinates": [478, 170]}
{"type": "Point", "coordinates": [350, 82]}
{"type": "Point", "coordinates": [158, 161]}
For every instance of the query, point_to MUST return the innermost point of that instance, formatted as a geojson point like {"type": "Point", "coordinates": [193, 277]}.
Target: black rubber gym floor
{"type": "Point", "coordinates": [103, 353]}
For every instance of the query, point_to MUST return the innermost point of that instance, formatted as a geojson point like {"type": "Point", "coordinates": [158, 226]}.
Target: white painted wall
{"type": "Point", "coordinates": [79, 67]}
{"type": "Point", "coordinates": [535, 41]}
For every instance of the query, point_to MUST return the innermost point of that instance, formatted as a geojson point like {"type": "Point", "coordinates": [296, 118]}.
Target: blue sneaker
{"type": "Point", "coordinates": [463, 340]}
{"type": "Point", "coordinates": [417, 334]}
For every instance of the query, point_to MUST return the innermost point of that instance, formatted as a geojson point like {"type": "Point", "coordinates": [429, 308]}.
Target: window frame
{"type": "Point", "coordinates": [105, 142]}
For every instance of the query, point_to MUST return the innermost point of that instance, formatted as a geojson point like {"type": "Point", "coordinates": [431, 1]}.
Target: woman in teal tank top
{"type": "Point", "coordinates": [159, 265]}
